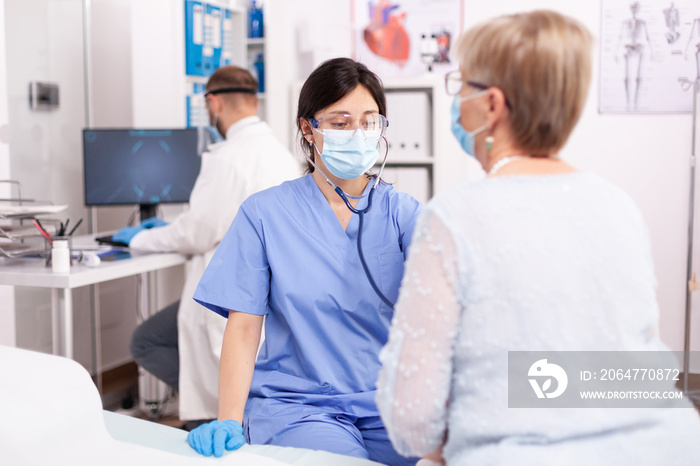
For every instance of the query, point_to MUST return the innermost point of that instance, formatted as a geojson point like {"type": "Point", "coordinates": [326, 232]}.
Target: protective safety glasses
{"type": "Point", "coordinates": [341, 126]}
{"type": "Point", "coordinates": [454, 83]}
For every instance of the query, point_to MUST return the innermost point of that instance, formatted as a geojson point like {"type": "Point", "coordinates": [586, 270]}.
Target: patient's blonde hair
{"type": "Point", "coordinates": [542, 62]}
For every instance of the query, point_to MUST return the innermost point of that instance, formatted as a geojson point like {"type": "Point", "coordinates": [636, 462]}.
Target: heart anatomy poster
{"type": "Point", "coordinates": [650, 56]}
{"type": "Point", "coordinates": [403, 38]}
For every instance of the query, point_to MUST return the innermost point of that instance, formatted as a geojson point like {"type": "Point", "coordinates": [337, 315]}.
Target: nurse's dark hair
{"type": "Point", "coordinates": [328, 83]}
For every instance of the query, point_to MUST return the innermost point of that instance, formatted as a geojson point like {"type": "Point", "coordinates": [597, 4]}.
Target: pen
{"type": "Point", "coordinates": [38, 226]}
{"type": "Point", "coordinates": [75, 227]}
{"type": "Point", "coordinates": [60, 229]}
{"type": "Point", "coordinates": [64, 228]}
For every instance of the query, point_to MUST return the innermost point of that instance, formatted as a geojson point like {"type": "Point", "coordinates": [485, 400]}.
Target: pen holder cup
{"type": "Point", "coordinates": [48, 247]}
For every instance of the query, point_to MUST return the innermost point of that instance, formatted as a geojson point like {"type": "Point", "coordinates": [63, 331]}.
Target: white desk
{"type": "Point", "coordinates": [33, 272]}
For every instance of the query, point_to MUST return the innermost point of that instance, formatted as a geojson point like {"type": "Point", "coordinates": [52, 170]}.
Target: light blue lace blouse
{"type": "Point", "coordinates": [530, 263]}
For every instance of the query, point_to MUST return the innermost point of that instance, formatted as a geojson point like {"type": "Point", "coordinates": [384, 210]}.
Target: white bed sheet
{"type": "Point", "coordinates": [52, 415]}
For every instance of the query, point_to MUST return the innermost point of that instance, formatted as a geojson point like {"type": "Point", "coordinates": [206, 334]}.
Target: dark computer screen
{"type": "Point", "coordinates": [139, 166]}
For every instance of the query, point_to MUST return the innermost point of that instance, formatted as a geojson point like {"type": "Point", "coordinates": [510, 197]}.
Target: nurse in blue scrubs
{"type": "Point", "coordinates": [291, 256]}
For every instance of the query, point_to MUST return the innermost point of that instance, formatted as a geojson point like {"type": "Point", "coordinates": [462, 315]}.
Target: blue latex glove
{"type": "Point", "coordinates": [214, 436]}
{"type": "Point", "coordinates": [153, 222]}
{"type": "Point", "coordinates": [126, 234]}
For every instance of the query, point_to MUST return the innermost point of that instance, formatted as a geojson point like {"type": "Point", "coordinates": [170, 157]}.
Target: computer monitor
{"type": "Point", "coordinates": [139, 166]}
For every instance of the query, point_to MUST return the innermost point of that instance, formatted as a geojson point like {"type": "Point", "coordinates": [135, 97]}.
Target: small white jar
{"type": "Point", "coordinates": [60, 256]}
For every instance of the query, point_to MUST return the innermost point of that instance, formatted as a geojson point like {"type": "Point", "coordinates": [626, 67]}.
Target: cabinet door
{"type": "Point", "coordinates": [410, 123]}
{"type": "Point", "coordinates": [416, 181]}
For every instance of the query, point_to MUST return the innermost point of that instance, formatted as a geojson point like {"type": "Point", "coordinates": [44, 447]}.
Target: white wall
{"type": "Point", "coordinates": [7, 294]}
{"type": "Point", "coordinates": [158, 63]}
{"type": "Point", "coordinates": [45, 145]}
{"type": "Point", "coordinates": [111, 63]}
{"type": "Point", "coordinates": [44, 42]}
{"type": "Point", "coordinates": [298, 39]}
{"type": "Point", "coordinates": [111, 106]}
{"type": "Point", "coordinates": [158, 93]}
{"type": "Point", "coordinates": [133, 85]}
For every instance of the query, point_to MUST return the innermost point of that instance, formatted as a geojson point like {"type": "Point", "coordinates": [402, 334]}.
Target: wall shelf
{"type": "Point", "coordinates": [255, 41]}
{"type": "Point", "coordinates": [393, 161]}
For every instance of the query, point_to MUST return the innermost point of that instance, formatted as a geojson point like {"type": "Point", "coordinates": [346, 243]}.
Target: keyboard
{"type": "Point", "coordinates": [108, 240]}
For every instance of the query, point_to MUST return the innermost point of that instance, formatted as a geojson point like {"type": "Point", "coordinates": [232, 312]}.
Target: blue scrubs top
{"type": "Point", "coordinates": [287, 257]}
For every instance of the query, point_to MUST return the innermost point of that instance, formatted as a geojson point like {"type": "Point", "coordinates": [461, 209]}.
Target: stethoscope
{"type": "Point", "coordinates": [361, 215]}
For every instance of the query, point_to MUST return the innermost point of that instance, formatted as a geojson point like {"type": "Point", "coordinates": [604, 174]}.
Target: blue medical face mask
{"type": "Point", "coordinates": [212, 131]}
{"type": "Point", "coordinates": [465, 138]}
{"type": "Point", "coordinates": [349, 154]}
{"type": "Point", "coordinates": [214, 135]}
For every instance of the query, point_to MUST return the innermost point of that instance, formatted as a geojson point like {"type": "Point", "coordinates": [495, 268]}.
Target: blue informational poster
{"type": "Point", "coordinates": [196, 109]}
{"type": "Point", "coordinates": [194, 38]}
{"type": "Point", "coordinates": [212, 39]}
{"type": "Point", "coordinates": [208, 38]}
{"type": "Point", "coordinates": [228, 41]}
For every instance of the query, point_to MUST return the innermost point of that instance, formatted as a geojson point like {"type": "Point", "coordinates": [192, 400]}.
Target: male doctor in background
{"type": "Point", "coordinates": [181, 344]}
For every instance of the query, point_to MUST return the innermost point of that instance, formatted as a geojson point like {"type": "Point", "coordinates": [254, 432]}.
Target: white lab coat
{"type": "Point", "coordinates": [249, 160]}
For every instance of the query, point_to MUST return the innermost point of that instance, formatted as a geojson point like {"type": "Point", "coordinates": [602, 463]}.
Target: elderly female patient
{"type": "Point", "coordinates": [536, 257]}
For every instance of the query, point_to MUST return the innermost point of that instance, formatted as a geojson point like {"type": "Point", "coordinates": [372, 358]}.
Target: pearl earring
{"type": "Point", "coordinates": [489, 142]}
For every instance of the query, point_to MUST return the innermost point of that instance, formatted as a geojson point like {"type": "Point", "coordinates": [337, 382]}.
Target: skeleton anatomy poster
{"type": "Point", "coordinates": [401, 38]}
{"type": "Point", "coordinates": [650, 56]}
